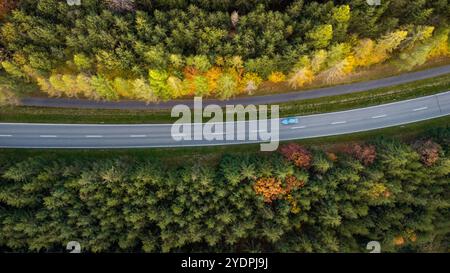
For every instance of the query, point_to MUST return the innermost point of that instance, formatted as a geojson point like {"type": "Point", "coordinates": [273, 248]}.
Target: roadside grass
{"type": "Point", "coordinates": [211, 154]}
{"type": "Point", "coordinates": [301, 107]}
{"type": "Point", "coordinates": [77, 116]}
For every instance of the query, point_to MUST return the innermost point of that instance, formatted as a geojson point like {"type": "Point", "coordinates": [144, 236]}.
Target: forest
{"type": "Point", "coordinates": [167, 49]}
{"type": "Point", "coordinates": [300, 199]}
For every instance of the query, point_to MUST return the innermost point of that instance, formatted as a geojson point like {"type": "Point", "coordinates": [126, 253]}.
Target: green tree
{"type": "Point", "coordinates": [103, 87]}
{"type": "Point", "coordinates": [340, 19]}
{"type": "Point", "coordinates": [201, 86]}
{"type": "Point", "coordinates": [82, 62]}
{"type": "Point", "coordinates": [201, 63]}
{"type": "Point", "coordinates": [158, 83]}
{"type": "Point", "coordinates": [13, 70]}
{"type": "Point", "coordinates": [226, 86]}
{"type": "Point", "coordinates": [320, 37]}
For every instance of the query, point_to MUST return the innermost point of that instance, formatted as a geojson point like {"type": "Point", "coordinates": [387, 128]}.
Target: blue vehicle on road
{"type": "Point", "coordinates": [289, 121]}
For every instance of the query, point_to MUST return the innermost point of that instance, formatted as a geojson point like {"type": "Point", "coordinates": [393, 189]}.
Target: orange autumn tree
{"type": "Point", "coordinates": [189, 73]}
{"type": "Point", "coordinates": [398, 241]}
{"type": "Point", "coordinates": [272, 188]}
{"type": "Point", "coordinates": [408, 236]}
{"type": "Point", "coordinates": [212, 76]}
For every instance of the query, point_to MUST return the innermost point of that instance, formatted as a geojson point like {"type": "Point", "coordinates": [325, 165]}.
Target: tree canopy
{"type": "Point", "coordinates": [301, 199]}
{"type": "Point", "coordinates": [189, 40]}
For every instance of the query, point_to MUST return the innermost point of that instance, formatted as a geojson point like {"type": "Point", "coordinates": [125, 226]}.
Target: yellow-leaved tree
{"type": "Point", "coordinates": [57, 84]}
{"type": "Point", "coordinates": [276, 77]}
{"type": "Point", "coordinates": [318, 60]}
{"type": "Point", "coordinates": [386, 45]}
{"type": "Point", "coordinates": [441, 44]}
{"type": "Point", "coordinates": [142, 90]}
{"type": "Point", "coordinates": [46, 87]}
{"type": "Point", "coordinates": [122, 87]}
{"type": "Point", "coordinates": [339, 70]}
{"type": "Point", "coordinates": [175, 86]}
{"type": "Point", "coordinates": [363, 52]}
{"type": "Point", "coordinates": [85, 87]}
{"type": "Point", "coordinates": [301, 77]}
{"type": "Point", "coordinates": [250, 83]}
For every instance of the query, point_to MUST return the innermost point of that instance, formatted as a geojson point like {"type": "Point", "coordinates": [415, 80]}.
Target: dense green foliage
{"type": "Point", "coordinates": [158, 50]}
{"type": "Point", "coordinates": [298, 200]}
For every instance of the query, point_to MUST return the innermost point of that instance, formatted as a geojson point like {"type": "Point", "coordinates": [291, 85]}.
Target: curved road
{"type": "Point", "coordinates": [159, 135]}
{"type": "Point", "coordinates": [257, 100]}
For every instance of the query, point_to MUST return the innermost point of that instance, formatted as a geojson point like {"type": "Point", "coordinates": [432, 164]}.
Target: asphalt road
{"type": "Point", "coordinates": [257, 100]}
{"type": "Point", "coordinates": [159, 135]}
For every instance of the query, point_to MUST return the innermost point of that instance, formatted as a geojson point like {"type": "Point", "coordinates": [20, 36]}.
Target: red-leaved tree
{"type": "Point", "coordinates": [300, 156]}
{"type": "Point", "coordinates": [121, 5]}
{"type": "Point", "coordinates": [365, 153]}
{"type": "Point", "coordinates": [6, 6]}
{"type": "Point", "coordinates": [428, 150]}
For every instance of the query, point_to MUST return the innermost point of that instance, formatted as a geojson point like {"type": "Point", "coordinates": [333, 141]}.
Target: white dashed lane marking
{"type": "Point", "coordinates": [5, 135]}
{"type": "Point", "coordinates": [420, 109]}
{"type": "Point", "coordinates": [94, 136]}
{"type": "Point", "coordinates": [138, 136]}
{"type": "Point", "coordinates": [298, 127]}
{"type": "Point", "coordinates": [338, 122]}
{"type": "Point", "coordinates": [380, 116]}
{"type": "Point", "coordinates": [48, 136]}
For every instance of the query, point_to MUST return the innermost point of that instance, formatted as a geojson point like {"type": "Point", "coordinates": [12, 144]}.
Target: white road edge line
{"type": "Point", "coordinates": [380, 116]}
{"type": "Point", "coordinates": [338, 122]}
{"type": "Point", "coordinates": [420, 109]}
